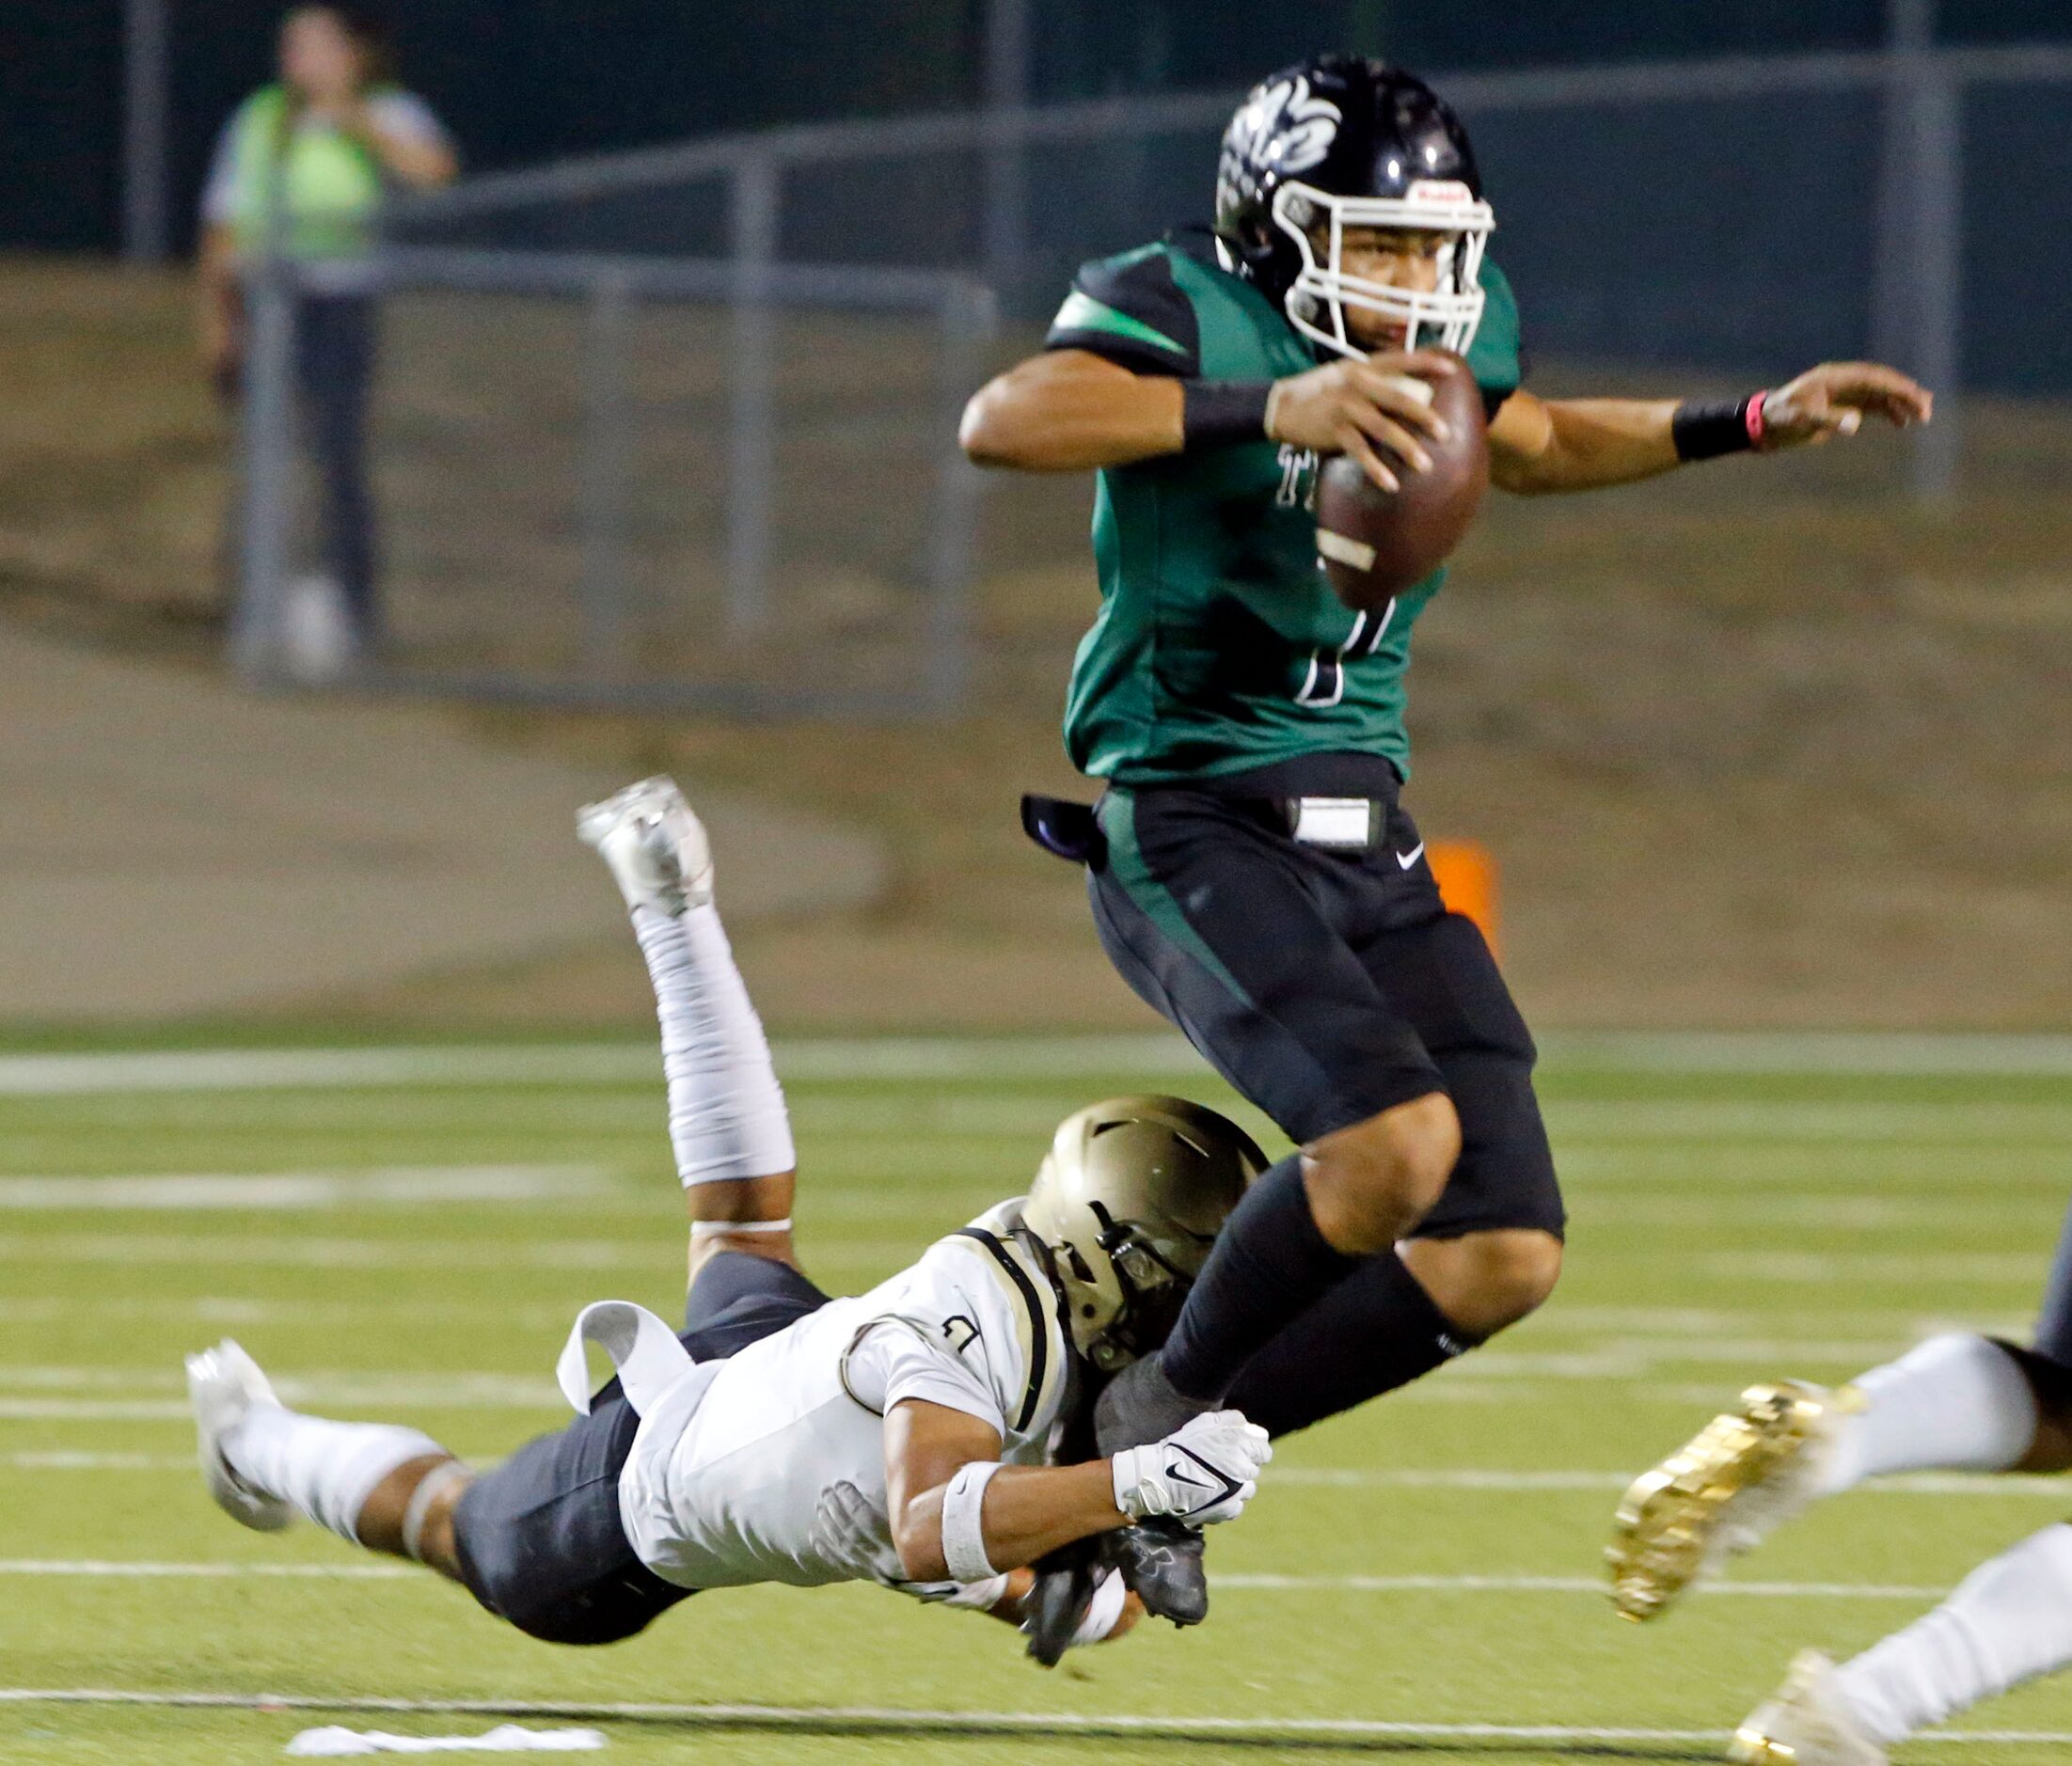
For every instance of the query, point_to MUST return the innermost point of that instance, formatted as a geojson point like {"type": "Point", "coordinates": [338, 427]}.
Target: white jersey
{"type": "Point", "coordinates": [769, 1466]}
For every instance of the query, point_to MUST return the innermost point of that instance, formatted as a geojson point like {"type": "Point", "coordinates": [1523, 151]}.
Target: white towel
{"type": "Point", "coordinates": [507, 1738]}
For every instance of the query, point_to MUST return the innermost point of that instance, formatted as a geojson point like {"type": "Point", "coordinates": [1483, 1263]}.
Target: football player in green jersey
{"type": "Point", "coordinates": [1252, 873]}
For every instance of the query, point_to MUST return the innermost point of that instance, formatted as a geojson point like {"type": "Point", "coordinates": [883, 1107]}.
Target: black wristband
{"type": "Point", "coordinates": [1223, 413]}
{"type": "Point", "coordinates": [1704, 431]}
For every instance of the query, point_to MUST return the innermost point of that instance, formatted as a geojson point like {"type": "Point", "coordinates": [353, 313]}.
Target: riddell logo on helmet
{"type": "Point", "coordinates": [1438, 190]}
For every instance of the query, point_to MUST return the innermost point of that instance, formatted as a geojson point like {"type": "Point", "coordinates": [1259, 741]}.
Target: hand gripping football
{"type": "Point", "coordinates": [1374, 544]}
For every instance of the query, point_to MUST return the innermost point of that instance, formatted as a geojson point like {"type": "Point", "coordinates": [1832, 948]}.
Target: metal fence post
{"type": "Point", "coordinates": [607, 422]}
{"type": "Point", "coordinates": [970, 318]}
{"type": "Point", "coordinates": [269, 470]}
{"type": "Point", "coordinates": [145, 100]}
{"type": "Point", "coordinates": [1915, 301]}
{"type": "Point", "coordinates": [1938, 340]}
{"type": "Point", "coordinates": [1006, 219]}
{"type": "Point", "coordinates": [751, 434]}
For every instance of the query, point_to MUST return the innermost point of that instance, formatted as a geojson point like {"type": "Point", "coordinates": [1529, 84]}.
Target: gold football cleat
{"type": "Point", "coordinates": [1720, 1493]}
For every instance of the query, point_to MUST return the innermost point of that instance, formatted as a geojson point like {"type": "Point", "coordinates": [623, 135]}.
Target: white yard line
{"type": "Point", "coordinates": [1901, 1054]}
{"type": "Point", "coordinates": [39, 1566]}
{"type": "Point", "coordinates": [1937, 1484]}
{"type": "Point", "coordinates": [2055, 1489]}
{"type": "Point", "coordinates": [923, 1058]}
{"type": "Point", "coordinates": [895, 1721]}
{"type": "Point", "coordinates": [1586, 1121]}
{"type": "Point", "coordinates": [1563, 1584]}
{"type": "Point", "coordinates": [386, 1185]}
{"type": "Point", "coordinates": [108, 1567]}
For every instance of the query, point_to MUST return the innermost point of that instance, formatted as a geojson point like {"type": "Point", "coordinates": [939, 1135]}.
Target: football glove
{"type": "Point", "coordinates": [1203, 1472]}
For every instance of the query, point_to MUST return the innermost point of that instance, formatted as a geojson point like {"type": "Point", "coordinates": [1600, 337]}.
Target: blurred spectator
{"type": "Point", "coordinates": [301, 169]}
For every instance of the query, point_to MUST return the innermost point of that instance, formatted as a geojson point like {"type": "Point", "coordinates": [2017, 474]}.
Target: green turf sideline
{"type": "Point", "coordinates": [809, 1060]}
{"type": "Point", "coordinates": [894, 1721]}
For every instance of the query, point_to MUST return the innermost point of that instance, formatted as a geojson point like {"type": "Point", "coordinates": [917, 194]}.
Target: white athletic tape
{"type": "Point", "coordinates": [964, 1524]}
{"type": "Point", "coordinates": [431, 1486]}
{"type": "Point", "coordinates": [729, 1229]}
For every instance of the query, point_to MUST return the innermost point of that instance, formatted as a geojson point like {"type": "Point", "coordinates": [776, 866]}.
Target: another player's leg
{"type": "Point", "coordinates": [388, 1488]}
{"type": "Point", "coordinates": [1955, 1403]}
{"type": "Point", "coordinates": [727, 1120]}
{"type": "Point", "coordinates": [2009, 1621]}
{"type": "Point", "coordinates": [1959, 1402]}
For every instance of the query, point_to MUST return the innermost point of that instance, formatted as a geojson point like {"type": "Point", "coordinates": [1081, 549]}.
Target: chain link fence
{"type": "Point", "coordinates": [677, 426]}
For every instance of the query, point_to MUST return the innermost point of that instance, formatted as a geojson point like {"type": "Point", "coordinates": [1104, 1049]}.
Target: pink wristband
{"type": "Point", "coordinates": [1753, 418]}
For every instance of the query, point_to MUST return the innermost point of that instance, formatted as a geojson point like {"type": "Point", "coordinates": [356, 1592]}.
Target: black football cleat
{"type": "Point", "coordinates": [1057, 1604]}
{"type": "Point", "coordinates": [1163, 1563]}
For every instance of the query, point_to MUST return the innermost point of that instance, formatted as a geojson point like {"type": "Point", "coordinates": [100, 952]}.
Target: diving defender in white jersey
{"type": "Point", "coordinates": [907, 1436]}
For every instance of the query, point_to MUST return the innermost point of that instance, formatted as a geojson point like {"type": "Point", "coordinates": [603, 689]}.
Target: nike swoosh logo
{"type": "Point", "coordinates": [1179, 1474]}
{"type": "Point", "coordinates": [1226, 1486]}
{"type": "Point", "coordinates": [1405, 859]}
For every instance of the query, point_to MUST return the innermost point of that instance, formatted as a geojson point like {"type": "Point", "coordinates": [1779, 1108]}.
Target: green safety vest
{"type": "Point", "coordinates": [328, 183]}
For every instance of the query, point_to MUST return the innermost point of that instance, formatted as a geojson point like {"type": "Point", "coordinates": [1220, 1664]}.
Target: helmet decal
{"type": "Point", "coordinates": [1342, 142]}
{"type": "Point", "coordinates": [1283, 125]}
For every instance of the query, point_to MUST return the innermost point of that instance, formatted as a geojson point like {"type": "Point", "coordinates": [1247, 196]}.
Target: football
{"type": "Point", "coordinates": [1374, 544]}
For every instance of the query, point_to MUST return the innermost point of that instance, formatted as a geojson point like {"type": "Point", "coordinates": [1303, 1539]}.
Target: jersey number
{"type": "Point", "coordinates": [1324, 684]}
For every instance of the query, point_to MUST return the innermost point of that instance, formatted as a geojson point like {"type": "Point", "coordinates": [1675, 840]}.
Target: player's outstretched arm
{"type": "Point", "coordinates": [958, 1515]}
{"type": "Point", "coordinates": [1542, 446]}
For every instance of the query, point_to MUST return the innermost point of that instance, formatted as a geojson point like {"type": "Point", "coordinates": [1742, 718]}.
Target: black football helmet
{"type": "Point", "coordinates": [1337, 142]}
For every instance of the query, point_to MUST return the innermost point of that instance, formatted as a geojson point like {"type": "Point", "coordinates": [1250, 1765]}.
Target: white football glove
{"type": "Point", "coordinates": [1201, 1474]}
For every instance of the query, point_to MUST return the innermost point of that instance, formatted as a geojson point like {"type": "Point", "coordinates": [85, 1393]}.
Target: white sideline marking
{"type": "Point", "coordinates": [818, 1059]}
{"type": "Point", "coordinates": [895, 1720]}
{"type": "Point", "coordinates": [394, 1185]}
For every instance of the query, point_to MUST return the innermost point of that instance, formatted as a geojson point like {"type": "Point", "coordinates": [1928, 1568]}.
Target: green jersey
{"type": "Point", "coordinates": [1220, 647]}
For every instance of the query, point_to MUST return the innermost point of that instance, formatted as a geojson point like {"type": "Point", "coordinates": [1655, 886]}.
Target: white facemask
{"type": "Point", "coordinates": [1446, 317]}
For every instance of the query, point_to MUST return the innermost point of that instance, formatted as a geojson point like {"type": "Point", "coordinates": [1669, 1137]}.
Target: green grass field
{"type": "Point", "coordinates": [409, 1237]}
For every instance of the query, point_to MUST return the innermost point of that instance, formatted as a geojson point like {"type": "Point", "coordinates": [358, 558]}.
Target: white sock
{"type": "Point", "coordinates": [726, 1111]}
{"type": "Point", "coordinates": [2008, 1621]}
{"type": "Point", "coordinates": [326, 1470]}
{"type": "Point", "coordinates": [1955, 1403]}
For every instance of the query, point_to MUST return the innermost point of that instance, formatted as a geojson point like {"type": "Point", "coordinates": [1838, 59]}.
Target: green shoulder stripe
{"type": "Point", "coordinates": [1082, 312]}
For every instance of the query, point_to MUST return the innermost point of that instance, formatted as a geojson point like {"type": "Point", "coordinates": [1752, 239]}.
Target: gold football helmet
{"type": "Point", "coordinates": [1128, 1201]}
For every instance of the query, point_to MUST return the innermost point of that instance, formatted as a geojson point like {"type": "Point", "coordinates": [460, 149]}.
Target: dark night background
{"type": "Point", "coordinates": [522, 81]}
